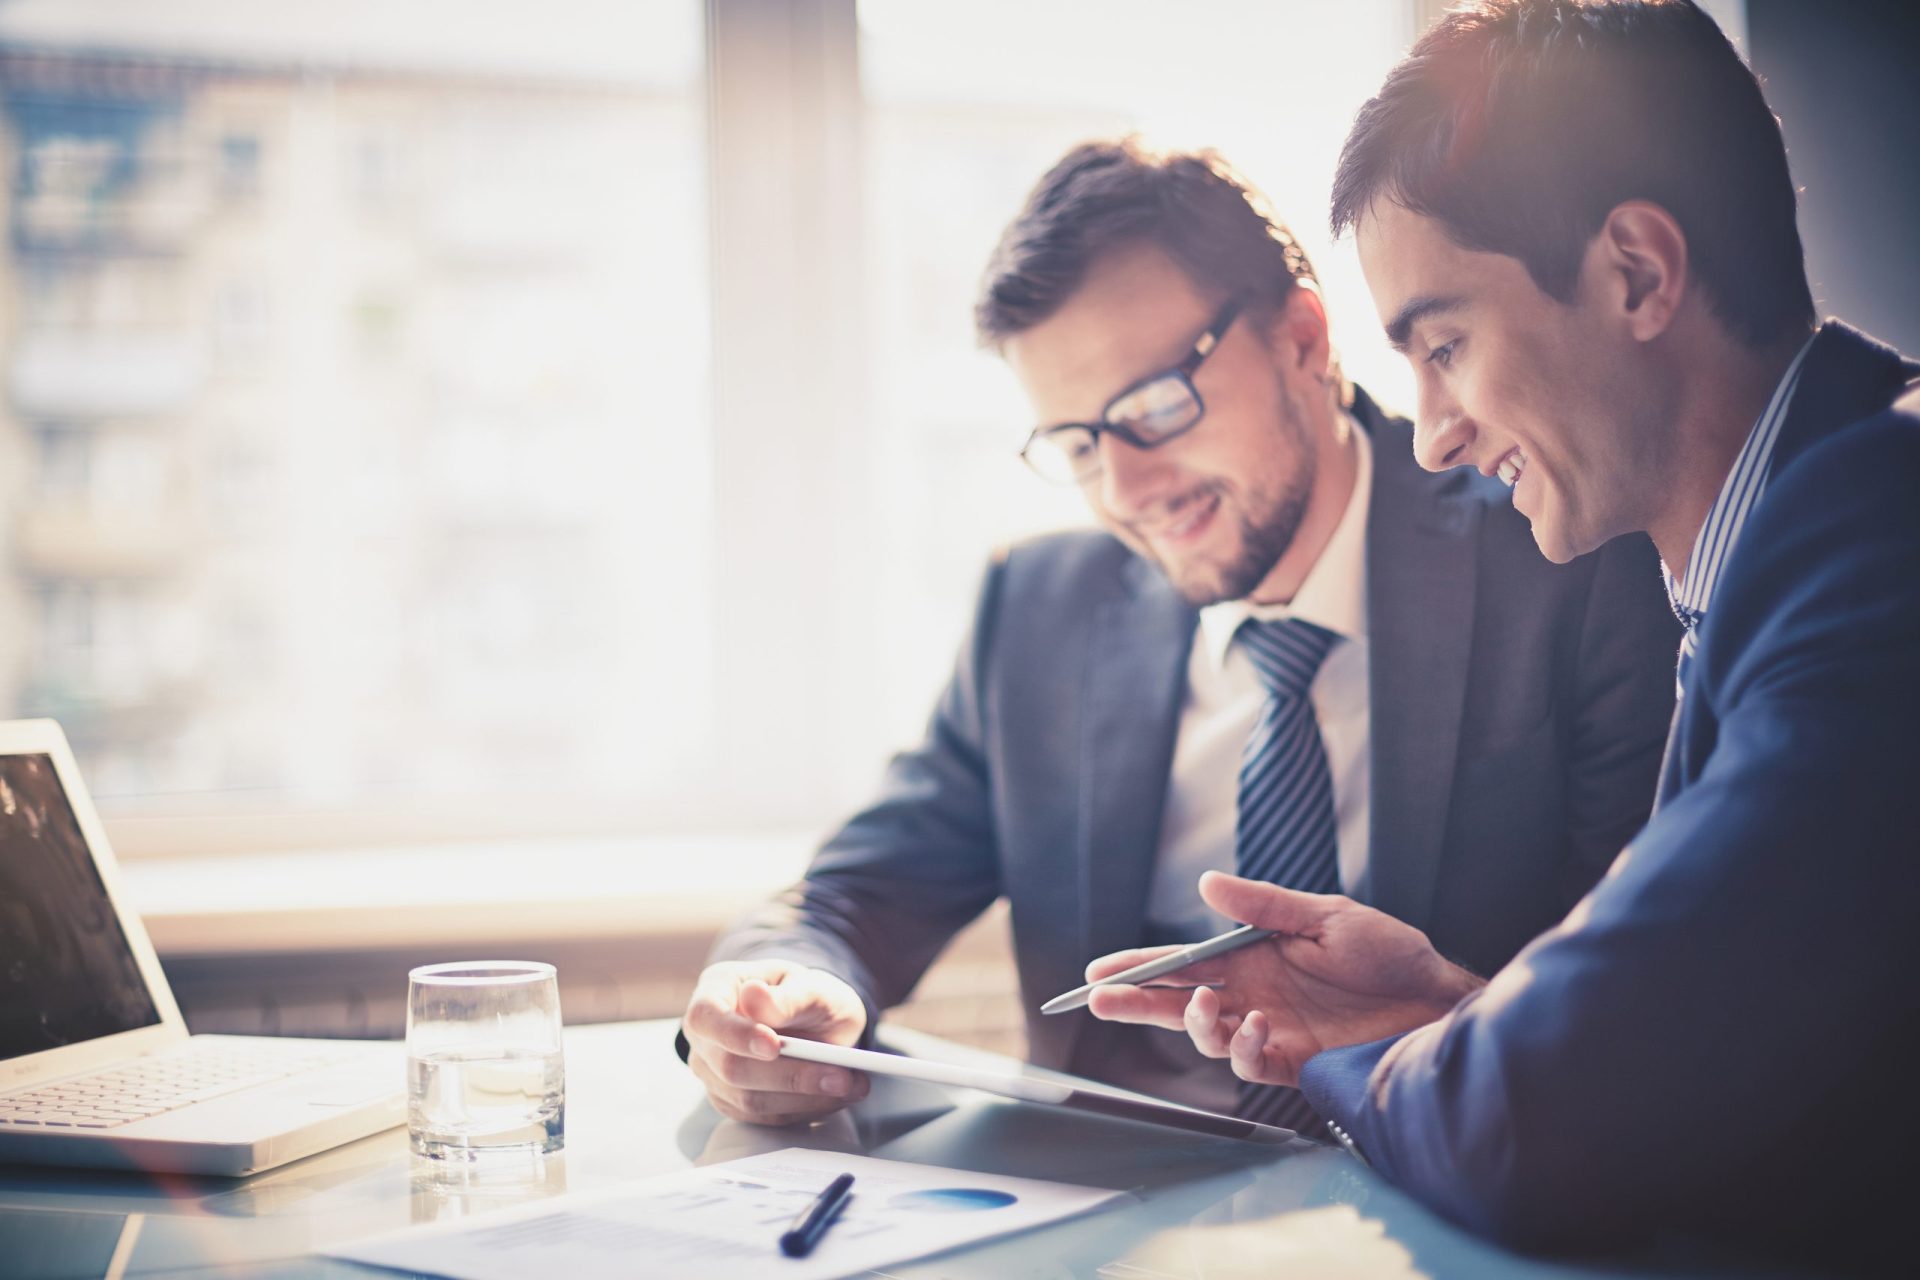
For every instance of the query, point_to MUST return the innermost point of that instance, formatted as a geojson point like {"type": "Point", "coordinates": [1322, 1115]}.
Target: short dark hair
{"type": "Point", "coordinates": [1113, 194]}
{"type": "Point", "coordinates": [1519, 124]}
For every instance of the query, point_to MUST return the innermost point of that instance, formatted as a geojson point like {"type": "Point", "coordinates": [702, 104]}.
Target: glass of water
{"type": "Point", "coordinates": [484, 1071]}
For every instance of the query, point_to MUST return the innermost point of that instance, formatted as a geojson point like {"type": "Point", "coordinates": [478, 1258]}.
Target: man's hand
{"type": "Point", "coordinates": [734, 1020]}
{"type": "Point", "coordinates": [1338, 974]}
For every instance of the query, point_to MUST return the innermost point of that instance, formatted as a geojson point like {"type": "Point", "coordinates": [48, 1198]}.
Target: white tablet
{"type": "Point", "coordinates": [1075, 1097]}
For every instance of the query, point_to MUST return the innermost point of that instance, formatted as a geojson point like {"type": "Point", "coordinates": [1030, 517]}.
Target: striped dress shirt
{"type": "Point", "coordinates": [1738, 496]}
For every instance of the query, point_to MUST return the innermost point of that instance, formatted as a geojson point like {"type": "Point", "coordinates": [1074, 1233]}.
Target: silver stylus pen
{"type": "Point", "coordinates": [1232, 940]}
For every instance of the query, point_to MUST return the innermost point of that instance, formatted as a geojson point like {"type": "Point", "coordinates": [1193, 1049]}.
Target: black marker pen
{"type": "Point", "coordinates": [799, 1239]}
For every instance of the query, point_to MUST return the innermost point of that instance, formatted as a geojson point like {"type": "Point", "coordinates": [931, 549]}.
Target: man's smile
{"type": "Point", "coordinates": [1187, 521]}
{"type": "Point", "coordinates": [1510, 466]}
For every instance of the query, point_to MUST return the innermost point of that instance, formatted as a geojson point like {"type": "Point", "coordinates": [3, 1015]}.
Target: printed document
{"type": "Point", "coordinates": [725, 1220]}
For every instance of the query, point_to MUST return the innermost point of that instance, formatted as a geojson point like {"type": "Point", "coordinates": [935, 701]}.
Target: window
{"type": "Point", "coordinates": [238, 166]}
{"type": "Point", "coordinates": [559, 415]}
{"type": "Point", "coordinates": [361, 376]}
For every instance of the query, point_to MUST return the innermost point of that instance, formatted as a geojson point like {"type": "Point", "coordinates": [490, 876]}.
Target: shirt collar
{"type": "Point", "coordinates": [1744, 484]}
{"type": "Point", "coordinates": [1334, 593]}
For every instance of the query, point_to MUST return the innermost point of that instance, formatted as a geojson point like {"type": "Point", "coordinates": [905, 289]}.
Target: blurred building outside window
{"type": "Point", "coordinates": [359, 370]}
{"type": "Point", "coordinates": [354, 366]}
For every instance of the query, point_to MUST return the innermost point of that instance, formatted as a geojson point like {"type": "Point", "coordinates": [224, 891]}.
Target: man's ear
{"type": "Point", "coordinates": [1640, 257]}
{"type": "Point", "coordinates": [1297, 333]}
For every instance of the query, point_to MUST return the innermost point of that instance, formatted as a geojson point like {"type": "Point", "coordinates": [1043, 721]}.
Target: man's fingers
{"type": "Point", "coordinates": [1205, 1026]}
{"type": "Point", "coordinates": [1257, 1056]}
{"type": "Point", "coordinates": [745, 1018]}
{"type": "Point", "coordinates": [734, 1023]}
{"type": "Point", "coordinates": [1257, 902]}
{"type": "Point", "coordinates": [774, 1092]}
{"type": "Point", "coordinates": [1152, 1006]}
{"type": "Point", "coordinates": [1120, 961]}
{"type": "Point", "coordinates": [762, 1107]}
{"type": "Point", "coordinates": [776, 1006]}
{"type": "Point", "coordinates": [782, 1075]}
{"type": "Point", "coordinates": [1247, 1048]}
{"type": "Point", "coordinates": [714, 1017]}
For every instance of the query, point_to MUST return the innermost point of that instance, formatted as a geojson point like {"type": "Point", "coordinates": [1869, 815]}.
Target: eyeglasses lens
{"type": "Point", "coordinates": [1157, 409]}
{"type": "Point", "coordinates": [1065, 455]}
{"type": "Point", "coordinates": [1150, 413]}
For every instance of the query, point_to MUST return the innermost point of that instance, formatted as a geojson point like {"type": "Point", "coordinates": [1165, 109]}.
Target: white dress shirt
{"type": "Point", "coordinates": [1225, 698]}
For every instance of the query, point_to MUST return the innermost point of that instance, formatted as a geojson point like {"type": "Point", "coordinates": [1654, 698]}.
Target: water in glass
{"type": "Point", "coordinates": [485, 1073]}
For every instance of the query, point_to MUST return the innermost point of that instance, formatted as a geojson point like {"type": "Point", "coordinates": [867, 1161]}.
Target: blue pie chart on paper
{"type": "Point", "coordinates": [951, 1200]}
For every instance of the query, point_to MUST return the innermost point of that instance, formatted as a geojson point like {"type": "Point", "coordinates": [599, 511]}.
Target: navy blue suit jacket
{"type": "Point", "coordinates": [1721, 1038]}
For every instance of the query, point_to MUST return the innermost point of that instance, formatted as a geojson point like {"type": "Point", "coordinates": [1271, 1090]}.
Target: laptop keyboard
{"type": "Point", "coordinates": [153, 1085]}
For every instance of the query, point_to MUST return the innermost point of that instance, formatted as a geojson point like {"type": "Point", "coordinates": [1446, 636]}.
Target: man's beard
{"type": "Point", "coordinates": [1262, 543]}
{"type": "Point", "coordinates": [1268, 522]}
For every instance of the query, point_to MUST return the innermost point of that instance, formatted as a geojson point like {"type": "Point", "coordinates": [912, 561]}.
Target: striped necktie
{"type": "Point", "coordinates": [1690, 620]}
{"type": "Point", "coordinates": [1285, 833]}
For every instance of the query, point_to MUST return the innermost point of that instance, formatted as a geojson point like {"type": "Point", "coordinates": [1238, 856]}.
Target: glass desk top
{"type": "Point", "coordinates": [1206, 1207]}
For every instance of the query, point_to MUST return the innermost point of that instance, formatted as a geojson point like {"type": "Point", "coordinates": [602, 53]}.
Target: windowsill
{"type": "Point", "coordinates": [470, 892]}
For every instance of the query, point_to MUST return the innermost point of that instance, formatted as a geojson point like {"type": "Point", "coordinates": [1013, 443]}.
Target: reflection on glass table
{"type": "Point", "coordinates": [1206, 1207]}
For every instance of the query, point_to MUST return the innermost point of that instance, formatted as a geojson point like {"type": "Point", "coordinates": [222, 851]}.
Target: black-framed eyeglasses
{"type": "Point", "coordinates": [1146, 415]}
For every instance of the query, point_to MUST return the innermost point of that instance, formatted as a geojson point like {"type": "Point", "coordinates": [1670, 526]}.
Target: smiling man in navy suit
{"type": "Point", "coordinates": [1577, 222]}
{"type": "Point", "coordinates": [1461, 735]}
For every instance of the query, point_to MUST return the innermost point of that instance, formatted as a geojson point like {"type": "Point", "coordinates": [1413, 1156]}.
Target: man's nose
{"type": "Point", "coordinates": [1130, 476]}
{"type": "Point", "coordinates": [1443, 433]}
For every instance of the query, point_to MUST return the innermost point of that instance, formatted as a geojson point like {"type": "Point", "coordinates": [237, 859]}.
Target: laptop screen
{"type": "Point", "coordinates": [67, 973]}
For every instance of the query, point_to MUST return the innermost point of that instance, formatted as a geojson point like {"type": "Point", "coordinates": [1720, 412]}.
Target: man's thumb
{"type": "Point", "coordinates": [1267, 906]}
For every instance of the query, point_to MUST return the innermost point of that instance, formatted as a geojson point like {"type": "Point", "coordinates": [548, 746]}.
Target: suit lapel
{"type": "Point", "coordinates": [1670, 778]}
{"type": "Point", "coordinates": [1847, 376]}
{"type": "Point", "coordinates": [1421, 578]}
{"type": "Point", "coordinates": [1136, 667]}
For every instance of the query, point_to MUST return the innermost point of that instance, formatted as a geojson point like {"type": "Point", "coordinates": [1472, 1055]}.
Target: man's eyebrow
{"type": "Point", "coordinates": [1400, 328]}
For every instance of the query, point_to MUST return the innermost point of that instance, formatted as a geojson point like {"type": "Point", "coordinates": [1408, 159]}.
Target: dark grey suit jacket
{"type": "Point", "coordinates": [1518, 712]}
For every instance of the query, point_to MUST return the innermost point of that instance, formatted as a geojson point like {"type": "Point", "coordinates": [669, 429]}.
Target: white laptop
{"type": "Point", "coordinates": [96, 1066]}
